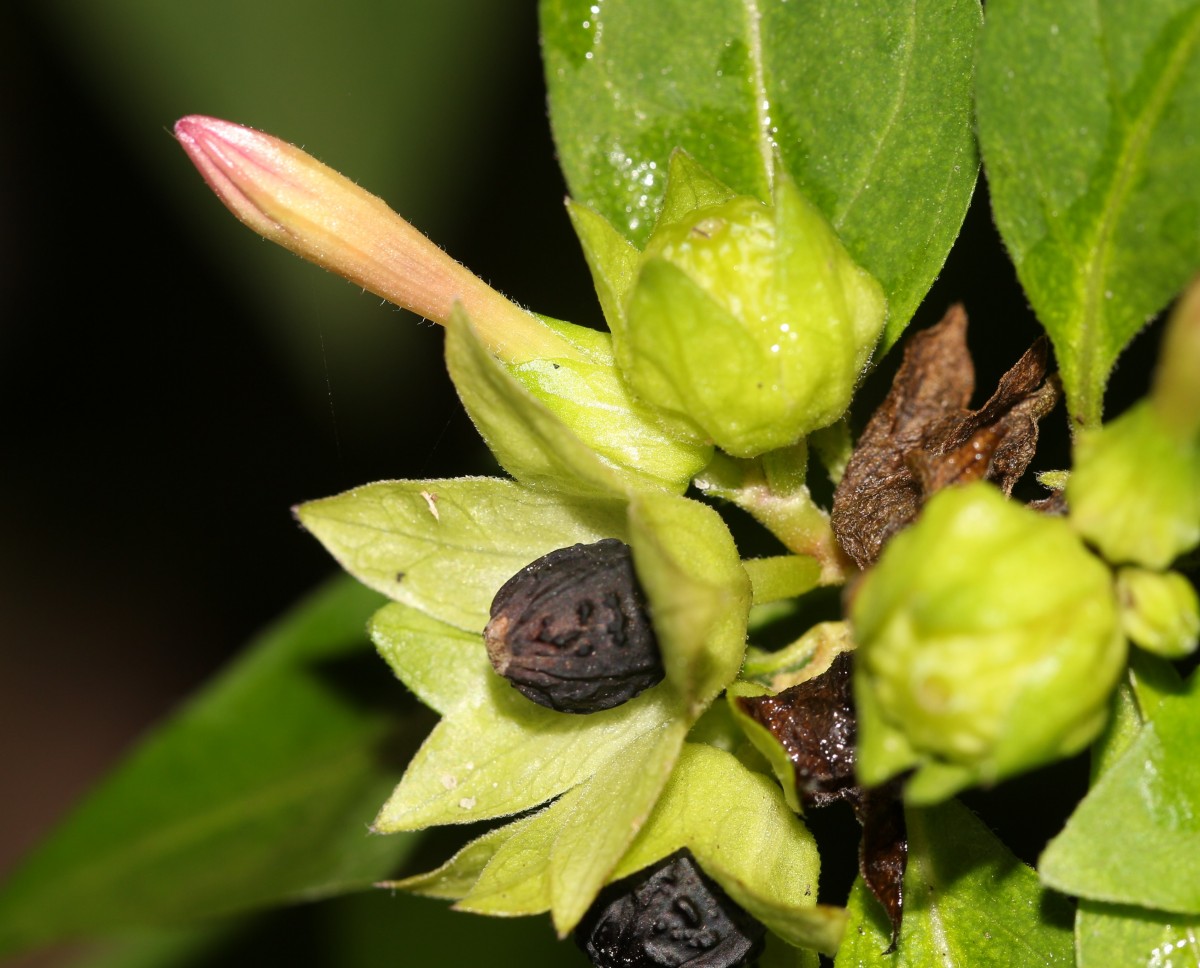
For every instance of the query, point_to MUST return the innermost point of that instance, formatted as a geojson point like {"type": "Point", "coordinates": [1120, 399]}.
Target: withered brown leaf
{"type": "Point", "coordinates": [883, 850]}
{"type": "Point", "coordinates": [816, 725]}
{"type": "Point", "coordinates": [923, 438]}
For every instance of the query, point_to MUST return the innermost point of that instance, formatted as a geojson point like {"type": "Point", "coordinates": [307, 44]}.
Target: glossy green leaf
{"type": "Point", "coordinates": [1133, 937]}
{"type": "Point", "coordinates": [867, 106]}
{"type": "Point", "coordinates": [697, 591]}
{"type": "Point", "coordinates": [1151, 794]}
{"type": "Point", "coordinates": [744, 836]}
{"type": "Point", "coordinates": [1087, 121]}
{"type": "Point", "coordinates": [967, 902]}
{"type": "Point", "coordinates": [256, 793]}
{"type": "Point", "coordinates": [445, 547]}
{"type": "Point", "coordinates": [495, 753]}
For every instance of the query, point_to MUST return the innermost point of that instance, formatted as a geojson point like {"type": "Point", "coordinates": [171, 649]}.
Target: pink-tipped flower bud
{"type": "Point", "coordinates": [289, 197]}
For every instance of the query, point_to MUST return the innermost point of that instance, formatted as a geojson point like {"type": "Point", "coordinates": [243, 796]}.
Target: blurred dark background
{"type": "Point", "coordinates": [172, 384]}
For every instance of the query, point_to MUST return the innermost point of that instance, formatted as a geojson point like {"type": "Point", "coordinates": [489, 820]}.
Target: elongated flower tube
{"type": "Point", "coordinates": [289, 197]}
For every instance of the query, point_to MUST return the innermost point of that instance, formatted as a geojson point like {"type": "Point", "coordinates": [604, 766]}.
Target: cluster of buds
{"type": "Point", "coordinates": [989, 636]}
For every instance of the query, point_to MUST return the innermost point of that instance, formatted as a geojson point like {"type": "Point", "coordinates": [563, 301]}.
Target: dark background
{"type": "Point", "coordinates": [171, 385]}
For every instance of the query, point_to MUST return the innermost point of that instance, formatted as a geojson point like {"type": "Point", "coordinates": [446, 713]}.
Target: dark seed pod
{"type": "Point", "coordinates": [669, 915]}
{"type": "Point", "coordinates": [570, 630]}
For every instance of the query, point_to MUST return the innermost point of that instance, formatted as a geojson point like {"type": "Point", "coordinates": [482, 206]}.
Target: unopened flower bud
{"type": "Point", "coordinates": [1159, 611]}
{"type": "Point", "coordinates": [751, 320]}
{"type": "Point", "coordinates": [289, 197]}
{"type": "Point", "coordinates": [988, 644]}
{"type": "Point", "coordinates": [1134, 492]}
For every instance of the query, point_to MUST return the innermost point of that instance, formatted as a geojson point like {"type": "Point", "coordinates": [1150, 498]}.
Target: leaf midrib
{"type": "Point", "coordinates": [884, 133]}
{"type": "Point", "coordinates": [920, 853]}
{"type": "Point", "coordinates": [762, 102]}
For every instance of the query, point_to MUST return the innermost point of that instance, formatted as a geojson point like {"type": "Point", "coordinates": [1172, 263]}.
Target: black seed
{"type": "Point", "coordinates": [669, 915]}
{"type": "Point", "coordinates": [570, 631]}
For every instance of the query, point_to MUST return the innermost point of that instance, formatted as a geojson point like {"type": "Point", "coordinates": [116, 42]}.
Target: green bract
{"type": "Point", "coordinates": [1159, 611]}
{"type": "Point", "coordinates": [441, 549]}
{"type": "Point", "coordinates": [1135, 489]}
{"type": "Point", "coordinates": [569, 422]}
{"type": "Point", "coordinates": [751, 320]}
{"type": "Point", "coordinates": [988, 643]}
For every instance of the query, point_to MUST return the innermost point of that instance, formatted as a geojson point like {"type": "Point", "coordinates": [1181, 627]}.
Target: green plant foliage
{"type": "Point", "coordinates": [1133, 937]}
{"type": "Point", "coordinates": [569, 424]}
{"type": "Point", "coordinates": [1087, 128]}
{"type": "Point", "coordinates": [256, 793]}
{"type": "Point", "coordinates": [1151, 794]}
{"type": "Point", "coordinates": [744, 836]}
{"type": "Point", "coordinates": [495, 753]}
{"type": "Point", "coordinates": [868, 110]}
{"type": "Point", "coordinates": [445, 547]}
{"type": "Point", "coordinates": [968, 903]}
{"type": "Point", "coordinates": [698, 592]}
{"type": "Point", "coordinates": [562, 859]}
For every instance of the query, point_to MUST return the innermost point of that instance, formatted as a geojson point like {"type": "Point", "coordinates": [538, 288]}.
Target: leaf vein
{"type": "Point", "coordinates": [876, 153]}
{"type": "Point", "coordinates": [1096, 266]}
{"type": "Point", "coordinates": [762, 103]}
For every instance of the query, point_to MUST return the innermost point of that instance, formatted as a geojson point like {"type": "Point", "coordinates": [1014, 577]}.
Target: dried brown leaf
{"type": "Point", "coordinates": [923, 438]}
{"type": "Point", "coordinates": [815, 724]}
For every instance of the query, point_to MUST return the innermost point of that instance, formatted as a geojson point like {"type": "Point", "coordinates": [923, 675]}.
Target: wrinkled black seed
{"type": "Point", "coordinates": [570, 631]}
{"type": "Point", "coordinates": [669, 915]}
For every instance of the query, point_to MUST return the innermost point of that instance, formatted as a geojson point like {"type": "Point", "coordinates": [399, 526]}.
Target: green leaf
{"type": "Point", "coordinates": [456, 878]}
{"type": "Point", "coordinates": [967, 902]}
{"type": "Point", "coordinates": [187, 947]}
{"type": "Point", "coordinates": [495, 753]}
{"type": "Point", "coordinates": [745, 837]}
{"type": "Point", "coordinates": [528, 441]}
{"type": "Point", "coordinates": [782, 577]}
{"type": "Point", "coordinates": [256, 793]}
{"type": "Point", "coordinates": [560, 859]}
{"type": "Point", "coordinates": [570, 425]}
{"type": "Point", "coordinates": [1132, 937]}
{"type": "Point", "coordinates": [780, 954]}
{"type": "Point", "coordinates": [868, 108]}
{"type": "Point", "coordinates": [438, 662]}
{"type": "Point", "coordinates": [446, 546]}
{"type": "Point", "coordinates": [612, 259]}
{"type": "Point", "coordinates": [1087, 120]}
{"type": "Point", "coordinates": [697, 591]}
{"type": "Point", "coordinates": [1151, 794]}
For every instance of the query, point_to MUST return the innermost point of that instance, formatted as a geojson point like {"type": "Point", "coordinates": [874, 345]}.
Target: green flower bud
{"type": "Point", "coordinates": [988, 644]}
{"type": "Point", "coordinates": [751, 320]}
{"type": "Point", "coordinates": [1159, 611]}
{"type": "Point", "coordinates": [1135, 489]}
